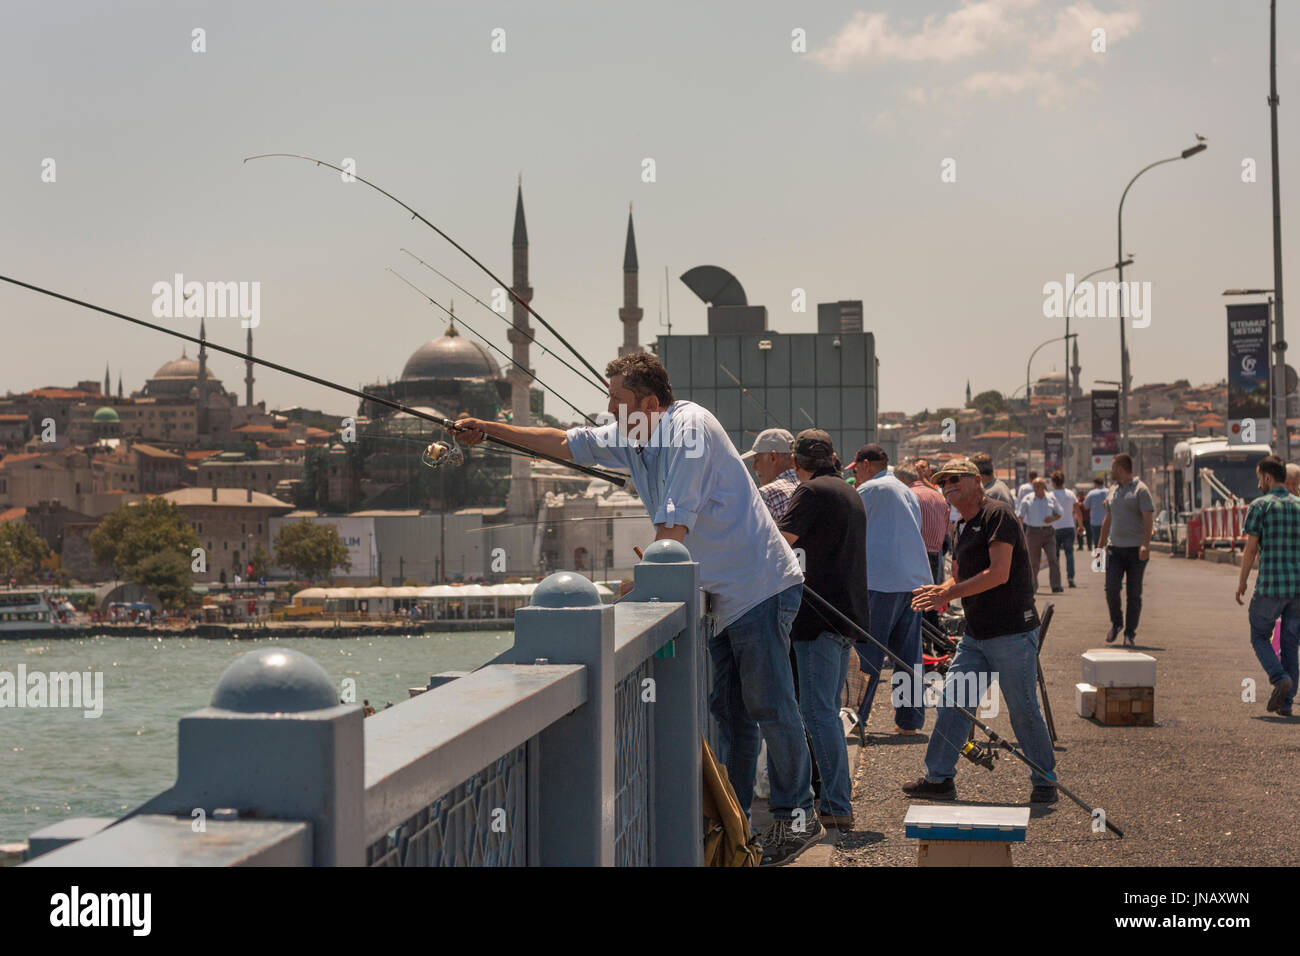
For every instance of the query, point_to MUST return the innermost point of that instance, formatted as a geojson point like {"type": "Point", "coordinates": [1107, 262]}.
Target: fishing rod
{"type": "Point", "coordinates": [745, 391]}
{"type": "Point", "coordinates": [489, 344]}
{"type": "Point", "coordinates": [431, 456]}
{"type": "Point", "coordinates": [462, 249]}
{"type": "Point", "coordinates": [982, 754]}
{"type": "Point", "coordinates": [529, 524]}
{"type": "Point", "coordinates": [530, 338]}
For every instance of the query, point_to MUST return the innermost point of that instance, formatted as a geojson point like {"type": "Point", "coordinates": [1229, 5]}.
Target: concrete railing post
{"type": "Point", "coordinates": [275, 744]}
{"type": "Point", "coordinates": [567, 624]}
{"type": "Point", "coordinates": [667, 573]}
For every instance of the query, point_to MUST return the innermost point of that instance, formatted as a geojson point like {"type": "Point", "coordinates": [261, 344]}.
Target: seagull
{"type": "Point", "coordinates": [1199, 137]}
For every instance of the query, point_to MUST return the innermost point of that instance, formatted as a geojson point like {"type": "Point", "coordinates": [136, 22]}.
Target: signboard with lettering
{"type": "Point", "coordinates": [1248, 375]}
{"type": "Point", "coordinates": [1105, 427]}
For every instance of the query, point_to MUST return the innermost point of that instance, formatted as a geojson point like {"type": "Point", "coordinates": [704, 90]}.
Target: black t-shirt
{"type": "Point", "coordinates": [1008, 608]}
{"type": "Point", "coordinates": [828, 517]}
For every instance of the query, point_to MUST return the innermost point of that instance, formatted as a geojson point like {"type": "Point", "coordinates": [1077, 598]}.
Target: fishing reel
{"type": "Point", "coordinates": [980, 754]}
{"type": "Point", "coordinates": [440, 453]}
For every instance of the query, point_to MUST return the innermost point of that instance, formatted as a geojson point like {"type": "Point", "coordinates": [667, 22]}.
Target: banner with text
{"type": "Point", "coordinates": [1105, 427]}
{"type": "Point", "coordinates": [1053, 453]}
{"type": "Point", "coordinates": [1248, 394]}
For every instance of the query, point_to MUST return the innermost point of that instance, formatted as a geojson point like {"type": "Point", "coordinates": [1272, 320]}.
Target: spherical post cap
{"type": "Point", "coordinates": [566, 589]}
{"type": "Point", "coordinates": [666, 551]}
{"type": "Point", "coordinates": [274, 680]}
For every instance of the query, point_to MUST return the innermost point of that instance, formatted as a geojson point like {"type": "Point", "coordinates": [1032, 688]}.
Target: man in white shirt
{"type": "Point", "coordinates": [1068, 502]}
{"type": "Point", "coordinates": [1038, 512]}
{"type": "Point", "coordinates": [697, 490]}
{"type": "Point", "coordinates": [1027, 489]}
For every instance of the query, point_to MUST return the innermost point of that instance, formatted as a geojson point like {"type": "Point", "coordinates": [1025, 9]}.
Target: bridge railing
{"type": "Point", "coordinates": [578, 746]}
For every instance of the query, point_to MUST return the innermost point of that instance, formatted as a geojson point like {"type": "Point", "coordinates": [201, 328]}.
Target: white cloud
{"type": "Point", "coordinates": [1058, 40]}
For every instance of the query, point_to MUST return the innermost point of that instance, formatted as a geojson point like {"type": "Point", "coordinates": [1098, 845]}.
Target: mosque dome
{"type": "Point", "coordinates": [105, 416]}
{"type": "Point", "coordinates": [450, 357]}
{"type": "Point", "coordinates": [183, 367]}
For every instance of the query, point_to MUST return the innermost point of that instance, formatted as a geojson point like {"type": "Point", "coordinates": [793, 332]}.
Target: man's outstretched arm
{"type": "Point", "coordinates": [548, 441]}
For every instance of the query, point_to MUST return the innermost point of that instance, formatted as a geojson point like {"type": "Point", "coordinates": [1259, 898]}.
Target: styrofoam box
{"type": "Point", "coordinates": [1085, 700]}
{"type": "Point", "coordinates": [1113, 668]}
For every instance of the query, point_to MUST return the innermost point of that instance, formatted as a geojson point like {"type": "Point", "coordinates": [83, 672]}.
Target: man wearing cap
{"type": "Point", "coordinates": [827, 520]}
{"type": "Point", "coordinates": [896, 566]}
{"type": "Point", "coordinates": [774, 465]}
{"type": "Point", "coordinates": [993, 487]}
{"type": "Point", "coordinates": [696, 490]}
{"type": "Point", "coordinates": [991, 575]}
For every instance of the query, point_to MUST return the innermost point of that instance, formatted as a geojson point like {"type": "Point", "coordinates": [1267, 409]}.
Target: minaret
{"type": "Point", "coordinates": [1076, 369]}
{"type": "Point", "coordinates": [248, 374]}
{"type": "Point", "coordinates": [202, 417]}
{"type": "Point", "coordinates": [630, 314]}
{"type": "Point", "coordinates": [108, 388]}
{"type": "Point", "coordinates": [967, 393]}
{"type": "Point", "coordinates": [520, 502]}
{"type": "Point", "coordinates": [119, 386]}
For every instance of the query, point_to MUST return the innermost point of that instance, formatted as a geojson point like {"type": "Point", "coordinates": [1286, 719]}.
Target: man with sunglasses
{"type": "Point", "coordinates": [992, 577]}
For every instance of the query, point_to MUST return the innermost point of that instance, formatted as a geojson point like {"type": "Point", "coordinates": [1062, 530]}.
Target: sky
{"type": "Point", "coordinates": [825, 165]}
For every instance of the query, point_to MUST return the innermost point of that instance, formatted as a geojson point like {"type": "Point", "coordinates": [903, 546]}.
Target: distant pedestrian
{"type": "Point", "coordinates": [1293, 478]}
{"type": "Point", "coordinates": [827, 520]}
{"type": "Point", "coordinates": [1039, 512]}
{"type": "Point", "coordinates": [1027, 489]}
{"type": "Point", "coordinates": [1272, 529]}
{"type": "Point", "coordinates": [991, 576]}
{"type": "Point", "coordinates": [993, 487]}
{"type": "Point", "coordinates": [774, 465]}
{"type": "Point", "coordinates": [1130, 518]}
{"type": "Point", "coordinates": [1068, 502]}
{"type": "Point", "coordinates": [924, 471]}
{"type": "Point", "coordinates": [1094, 507]}
{"type": "Point", "coordinates": [896, 566]}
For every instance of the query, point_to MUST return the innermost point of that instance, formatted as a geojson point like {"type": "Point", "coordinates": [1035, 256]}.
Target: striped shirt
{"type": "Point", "coordinates": [776, 493]}
{"type": "Point", "coordinates": [934, 515]}
{"type": "Point", "coordinates": [1274, 519]}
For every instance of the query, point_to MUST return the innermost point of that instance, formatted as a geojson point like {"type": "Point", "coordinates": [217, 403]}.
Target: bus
{"type": "Point", "coordinates": [1209, 466]}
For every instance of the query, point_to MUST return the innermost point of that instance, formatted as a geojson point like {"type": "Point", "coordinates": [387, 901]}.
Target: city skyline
{"type": "Point", "coordinates": [820, 170]}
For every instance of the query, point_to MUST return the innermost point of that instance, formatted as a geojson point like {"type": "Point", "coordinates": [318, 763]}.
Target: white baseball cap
{"type": "Point", "coordinates": [771, 439]}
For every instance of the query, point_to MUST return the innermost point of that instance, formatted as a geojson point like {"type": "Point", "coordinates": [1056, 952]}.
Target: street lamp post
{"type": "Point", "coordinates": [1123, 310]}
{"type": "Point", "coordinates": [1069, 396]}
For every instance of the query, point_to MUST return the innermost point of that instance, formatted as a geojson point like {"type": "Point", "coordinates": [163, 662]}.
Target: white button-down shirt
{"type": "Point", "coordinates": [1038, 512]}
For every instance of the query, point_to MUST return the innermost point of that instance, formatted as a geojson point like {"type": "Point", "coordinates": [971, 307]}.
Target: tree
{"type": "Point", "coordinates": [149, 543]}
{"type": "Point", "coordinates": [21, 549]}
{"type": "Point", "coordinates": [989, 403]}
{"type": "Point", "coordinates": [313, 550]}
{"type": "Point", "coordinates": [260, 561]}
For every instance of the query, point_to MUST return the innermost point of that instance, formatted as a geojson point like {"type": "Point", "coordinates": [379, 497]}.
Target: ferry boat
{"type": "Point", "coordinates": [27, 610]}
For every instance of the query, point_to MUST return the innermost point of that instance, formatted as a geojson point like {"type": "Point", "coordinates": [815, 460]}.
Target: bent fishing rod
{"type": "Point", "coordinates": [531, 311]}
{"type": "Point", "coordinates": [489, 344]}
{"type": "Point", "coordinates": [446, 423]}
{"type": "Point", "coordinates": [531, 338]}
{"type": "Point", "coordinates": [969, 750]}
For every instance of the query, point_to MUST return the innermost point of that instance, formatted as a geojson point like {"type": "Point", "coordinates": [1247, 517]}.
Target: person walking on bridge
{"type": "Point", "coordinates": [1130, 518]}
{"type": "Point", "coordinates": [1272, 529]}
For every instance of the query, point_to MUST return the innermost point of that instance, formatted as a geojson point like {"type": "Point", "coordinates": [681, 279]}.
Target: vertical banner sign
{"type": "Point", "coordinates": [1248, 395]}
{"type": "Point", "coordinates": [1053, 452]}
{"type": "Point", "coordinates": [1105, 427]}
{"type": "Point", "coordinates": [1022, 473]}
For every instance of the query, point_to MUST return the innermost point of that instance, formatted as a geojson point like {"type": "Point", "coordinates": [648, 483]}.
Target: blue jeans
{"type": "Point", "coordinates": [823, 671]}
{"type": "Point", "coordinates": [898, 627]}
{"type": "Point", "coordinates": [1012, 660]}
{"type": "Point", "coordinates": [753, 700]}
{"type": "Point", "coordinates": [1065, 542]}
{"type": "Point", "coordinates": [1263, 612]}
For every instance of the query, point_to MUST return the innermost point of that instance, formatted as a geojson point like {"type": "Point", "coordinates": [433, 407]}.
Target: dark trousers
{"type": "Point", "coordinates": [1094, 535]}
{"type": "Point", "coordinates": [1123, 563]}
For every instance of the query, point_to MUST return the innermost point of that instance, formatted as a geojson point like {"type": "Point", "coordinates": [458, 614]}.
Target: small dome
{"type": "Point", "coordinates": [105, 416]}
{"type": "Point", "coordinates": [451, 356]}
{"type": "Point", "coordinates": [183, 367]}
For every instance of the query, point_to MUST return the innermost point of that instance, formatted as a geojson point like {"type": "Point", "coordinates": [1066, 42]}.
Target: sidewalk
{"type": "Point", "coordinates": [1213, 783]}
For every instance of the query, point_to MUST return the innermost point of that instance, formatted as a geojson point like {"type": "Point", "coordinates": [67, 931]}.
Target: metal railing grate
{"type": "Point", "coordinates": [633, 766]}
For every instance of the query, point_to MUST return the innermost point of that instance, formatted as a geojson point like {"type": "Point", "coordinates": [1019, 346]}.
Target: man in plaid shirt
{"type": "Point", "coordinates": [1272, 531]}
{"type": "Point", "coordinates": [773, 462]}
